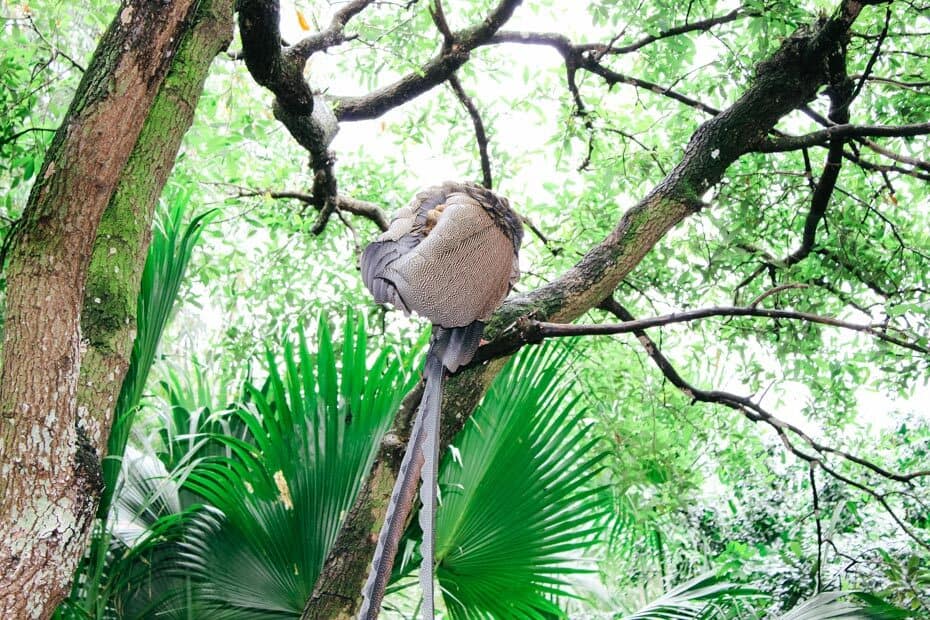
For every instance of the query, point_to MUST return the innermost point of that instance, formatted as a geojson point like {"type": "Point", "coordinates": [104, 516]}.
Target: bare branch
{"type": "Point", "coordinates": [874, 57]}
{"type": "Point", "coordinates": [345, 204]}
{"type": "Point", "coordinates": [917, 86]}
{"type": "Point", "coordinates": [433, 73]}
{"type": "Point", "coordinates": [818, 138]}
{"type": "Point", "coordinates": [481, 137]}
{"type": "Point", "coordinates": [539, 234]}
{"type": "Point", "coordinates": [56, 51]}
{"type": "Point", "coordinates": [614, 77]}
{"type": "Point", "coordinates": [263, 52]}
{"type": "Point", "coordinates": [811, 471]}
{"type": "Point", "coordinates": [575, 58]}
{"type": "Point", "coordinates": [532, 331]}
{"type": "Point", "coordinates": [19, 134]}
{"type": "Point", "coordinates": [870, 165]}
{"type": "Point", "coordinates": [700, 26]}
{"type": "Point", "coordinates": [841, 95]}
{"type": "Point", "coordinates": [332, 36]}
{"type": "Point", "coordinates": [775, 290]}
{"type": "Point", "coordinates": [439, 18]}
{"type": "Point", "coordinates": [904, 159]}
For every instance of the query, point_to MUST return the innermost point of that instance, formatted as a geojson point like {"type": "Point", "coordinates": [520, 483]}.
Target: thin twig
{"type": "Point", "coordinates": [54, 48]}
{"type": "Point", "coordinates": [818, 574]}
{"type": "Point", "coordinates": [347, 204]}
{"type": "Point", "coordinates": [535, 331]}
{"type": "Point", "coordinates": [481, 137]}
{"type": "Point", "coordinates": [775, 290]}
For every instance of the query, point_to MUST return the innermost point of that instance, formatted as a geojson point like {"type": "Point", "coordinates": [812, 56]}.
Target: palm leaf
{"type": "Point", "coordinates": [845, 606]}
{"type": "Point", "coordinates": [170, 251]}
{"type": "Point", "coordinates": [107, 567]}
{"type": "Point", "coordinates": [522, 507]}
{"type": "Point", "coordinates": [281, 498]}
{"type": "Point", "coordinates": [127, 573]}
{"type": "Point", "coordinates": [701, 598]}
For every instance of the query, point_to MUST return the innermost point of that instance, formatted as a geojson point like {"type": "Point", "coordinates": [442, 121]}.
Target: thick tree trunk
{"type": "Point", "coordinates": [784, 82]}
{"type": "Point", "coordinates": [85, 231]}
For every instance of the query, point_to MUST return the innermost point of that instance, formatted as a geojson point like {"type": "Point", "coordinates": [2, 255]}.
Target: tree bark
{"type": "Point", "coordinates": [784, 82]}
{"type": "Point", "coordinates": [83, 237]}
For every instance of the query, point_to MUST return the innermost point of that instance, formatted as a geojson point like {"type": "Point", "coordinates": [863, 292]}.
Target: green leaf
{"type": "Point", "coordinates": [172, 244]}
{"type": "Point", "coordinates": [832, 606]}
{"type": "Point", "coordinates": [695, 599]}
{"type": "Point", "coordinates": [281, 499]}
{"type": "Point", "coordinates": [521, 509]}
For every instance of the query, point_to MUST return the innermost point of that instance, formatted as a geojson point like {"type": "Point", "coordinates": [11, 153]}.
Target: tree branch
{"type": "Point", "coordinates": [332, 36]}
{"type": "Point", "coordinates": [307, 117]}
{"type": "Point", "coordinates": [904, 159]}
{"type": "Point", "coordinates": [19, 134]}
{"type": "Point", "coordinates": [577, 58]}
{"type": "Point", "coordinates": [533, 332]}
{"type": "Point", "coordinates": [480, 136]}
{"type": "Point", "coordinates": [821, 137]}
{"type": "Point", "coordinates": [874, 57]}
{"type": "Point", "coordinates": [756, 413]}
{"type": "Point", "coordinates": [818, 572]}
{"type": "Point", "coordinates": [699, 26]}
{"type": "Point", "coordinates": [916, 86]}
{"type": "Point", "coordinates": [841, 95]}
{"type": "Point", "coordinates": [786, 81]}
{"type": "Point", "coordinates": [436, 71]}
{"type": "Point", "coordinates": [263, 53]}
{"type": "Point", "coordinates": [345, 204]}
{"type": "Point", "coordinates": [56, 51]}
{"type": "Point", "coordinates": [865, 164]}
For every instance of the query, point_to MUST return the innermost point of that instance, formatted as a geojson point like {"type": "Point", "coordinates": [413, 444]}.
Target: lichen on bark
{"type": "Point", "coordinates": [50, 444]}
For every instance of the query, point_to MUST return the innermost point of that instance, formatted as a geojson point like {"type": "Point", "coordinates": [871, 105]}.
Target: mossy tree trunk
{"type": "Point", "coordinates": [73, 279]}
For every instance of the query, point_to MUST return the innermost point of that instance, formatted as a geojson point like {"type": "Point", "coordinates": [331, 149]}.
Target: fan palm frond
{"type": "Point", "coordinates": [171, 248]}
{"type": "Point", "coordinates": [521, 506]}
{"type": "Point", "coordinates": [313, 432]}
{"type": "Point", "coordinates": [845, 606]}
{"type": "Point", "coordinates": [705, 597]}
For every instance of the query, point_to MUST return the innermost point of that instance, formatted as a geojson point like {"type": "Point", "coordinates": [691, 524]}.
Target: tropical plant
{"type": "Point", "coordinates": [702, 598]}
{"type": "Point", "coordinates": [850, 605]}
{"type": "Point", "coordinates": [276, 505]}
{"type": "Point", "coordinates": [521, 503]}
{"type": "Point", "coordinates": [173, 241]}
{"type": "Point", "coordinates": [276, 501]}
{"type": "Point", "coordinates": [709, 597]}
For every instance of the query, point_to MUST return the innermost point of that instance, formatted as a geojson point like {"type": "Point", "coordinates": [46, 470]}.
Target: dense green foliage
{"type": "Point", "coordinates": [586, 484]}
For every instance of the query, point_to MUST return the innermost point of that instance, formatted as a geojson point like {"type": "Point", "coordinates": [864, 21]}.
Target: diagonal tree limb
{"type": "Point", "coordinates": [699, 26]}
{"type": "Point", "coordinates": [841, 94]}
{"type": "Point", "coordinates": [823, 136]}
{"type": "Point", "coordinates": [332, 36]}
